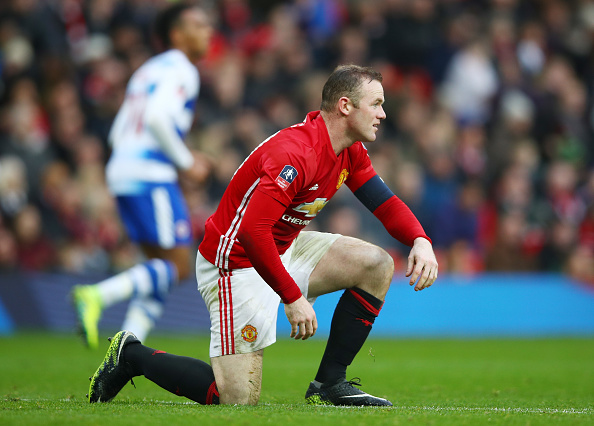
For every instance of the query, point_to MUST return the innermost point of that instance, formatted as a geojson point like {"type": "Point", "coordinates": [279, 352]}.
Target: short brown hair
{"type": "Point", "coordinates": [346, 80]}
{"type": "Point", "coordinates": [166, 20]}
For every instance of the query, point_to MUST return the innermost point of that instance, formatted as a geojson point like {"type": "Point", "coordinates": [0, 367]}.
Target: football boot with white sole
{"type": "Point", "coordinates": [343, 393]}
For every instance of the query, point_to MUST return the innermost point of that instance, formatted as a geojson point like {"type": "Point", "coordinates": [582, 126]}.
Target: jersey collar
{"type": "Point", "coordinates": [315, 119]}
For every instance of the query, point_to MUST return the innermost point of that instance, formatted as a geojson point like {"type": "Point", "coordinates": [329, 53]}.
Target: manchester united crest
{"type": "Point", "coordinates": [342, 178]}
{"type": "Point", "coordinates": [249, 333]}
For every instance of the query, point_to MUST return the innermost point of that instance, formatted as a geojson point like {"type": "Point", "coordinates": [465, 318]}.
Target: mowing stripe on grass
{"type": "Point", "coordinates": [520, 410]}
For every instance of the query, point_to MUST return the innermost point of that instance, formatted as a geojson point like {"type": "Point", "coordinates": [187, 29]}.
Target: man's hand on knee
{"type": "Point", "coordinates": [302, 318]}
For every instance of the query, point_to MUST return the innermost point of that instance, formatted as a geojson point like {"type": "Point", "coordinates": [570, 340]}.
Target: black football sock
{"type": "Point", "coordinates": [181, 375]}
{"type": "Point", "coordinates": [353, 317]}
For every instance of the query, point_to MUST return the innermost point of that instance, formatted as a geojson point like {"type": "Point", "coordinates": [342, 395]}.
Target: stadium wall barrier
{"type": "Point", "coordinates": [6, 325]}
{"type": "Point", "coordinates": [485, 305]}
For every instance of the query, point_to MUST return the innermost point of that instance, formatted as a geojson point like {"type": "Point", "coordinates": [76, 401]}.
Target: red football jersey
{"type": "Point", "coordinates": [296, 166]}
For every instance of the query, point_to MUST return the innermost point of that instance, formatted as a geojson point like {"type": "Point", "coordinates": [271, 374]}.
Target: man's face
{"type": "Point", "coordinates": [195, 31]}
{"type": "Point", "coordinates": [364, 120]}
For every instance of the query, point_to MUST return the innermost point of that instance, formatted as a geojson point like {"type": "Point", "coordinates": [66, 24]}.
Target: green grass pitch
{"type": "Point", "coordinates": [44, 379]}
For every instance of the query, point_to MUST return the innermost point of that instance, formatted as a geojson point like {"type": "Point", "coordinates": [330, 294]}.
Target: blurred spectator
{"type": "Point", "coordinates": [35, 251]}
{"type": "Point", "coordinates": [580, 265]}
{"type": "Point", "coordinates": [508, 253]}
{"type": "Point", "coordinates": [26, 131]}
{"type": "Point", "coordinates": [586, 230]}
{"type": "Point", "coordinates": [561, 182]}
{"type": "Point", "coordinates": [8, 251]}
{"type": "Point", "coordinates": [561, 241]}
{"type": "Point", "coordinates": [471, 83]}
{"type": "Point", "coordinates": [458, 220]}
{"type": "Point", "coordinates": [13, 186]}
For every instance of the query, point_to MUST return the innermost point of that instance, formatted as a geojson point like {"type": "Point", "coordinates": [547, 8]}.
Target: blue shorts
{"type": "Point", "coordinates": [159, 217]}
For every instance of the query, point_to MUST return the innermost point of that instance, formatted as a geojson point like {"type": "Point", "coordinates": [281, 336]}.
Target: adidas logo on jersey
{"type": "Point", "coordinates": [313, 188]}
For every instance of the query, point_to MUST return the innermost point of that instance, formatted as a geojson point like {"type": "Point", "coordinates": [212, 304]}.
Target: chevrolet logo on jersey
{"type": "Point", "coordinates": [311, 209]}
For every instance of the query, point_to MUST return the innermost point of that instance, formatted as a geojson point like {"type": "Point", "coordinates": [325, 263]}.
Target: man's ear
{"type": "Point", "coordinates": [175, 36]}
{"type": "Point", "coordinates": [345, 105]}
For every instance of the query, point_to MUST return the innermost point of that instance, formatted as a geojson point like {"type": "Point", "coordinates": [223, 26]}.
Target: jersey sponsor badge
{"type": "Point", "coordinates": [286, 177]}
{"type": "Point", "coordinates": [313, 208]}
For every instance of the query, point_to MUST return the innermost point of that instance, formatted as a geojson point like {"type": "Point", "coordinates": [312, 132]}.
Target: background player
{"type": "Point", "coordinates": [255, 254]}
{"type": "Point", "coordinates": [142, 172]}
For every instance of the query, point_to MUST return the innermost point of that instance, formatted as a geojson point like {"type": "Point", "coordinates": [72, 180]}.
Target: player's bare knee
{"type": "Point", "coordinates": [388, 265]}
{"type": "Point", "coordinates": [378, 262]}
{"type": "Point", "coordinates": [378, 268]}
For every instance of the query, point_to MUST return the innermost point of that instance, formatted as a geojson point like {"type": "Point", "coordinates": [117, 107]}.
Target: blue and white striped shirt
{"type": "Point", "coordinates": [147, 136]}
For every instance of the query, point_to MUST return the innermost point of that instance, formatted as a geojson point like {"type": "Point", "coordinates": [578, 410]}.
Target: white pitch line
{"type": "Point", "coordinates": [504, 410]}
{"type": "Point", "coordinates": [434, 408]}
{"type": "Point", "coordinates": [519, 410]}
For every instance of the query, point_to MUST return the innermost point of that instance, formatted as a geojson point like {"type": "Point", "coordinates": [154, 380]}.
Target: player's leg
{"type": "Point", "coordinates": [238, 377]}
{"type": "Point", "coordinates": [165, 235]}
{"type": "Point", "coordinates": [144, 310]}
{"type": "Point", "coordinates": [159, 222]}
{"type": "Point", "coordinates": [350, 263]}
{"type": "Point", "coordinates": [151, 280]}
{"type": "Point", "coordinates": [180, 256]}
{"type": "Point", "coordinates": [127, 358]}
{"type": "Point", "coordinates": [243, 312]}
{"type": "Point", "coordinates": [365, 271]}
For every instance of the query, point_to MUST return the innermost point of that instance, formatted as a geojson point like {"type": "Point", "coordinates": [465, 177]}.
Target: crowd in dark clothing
{"type": "Point", "coordinates": [488, 136]}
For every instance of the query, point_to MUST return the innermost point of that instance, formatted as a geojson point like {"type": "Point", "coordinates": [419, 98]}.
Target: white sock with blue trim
{"type": "Point", "coordinates": [142, 315]}
{"type": "Point", "coordinates": [154, 278]}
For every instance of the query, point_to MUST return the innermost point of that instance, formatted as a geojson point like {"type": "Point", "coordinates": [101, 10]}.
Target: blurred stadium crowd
{"type": "Point", "coordinates": [488, 136]}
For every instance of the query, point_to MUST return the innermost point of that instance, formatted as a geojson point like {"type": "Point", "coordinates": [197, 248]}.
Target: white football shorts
{"type": "Point", "coordinates": [243, 308]}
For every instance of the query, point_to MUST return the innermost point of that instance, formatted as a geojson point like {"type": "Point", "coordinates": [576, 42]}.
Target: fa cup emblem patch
{"type": "Point", "coordinates": [286, 177]}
